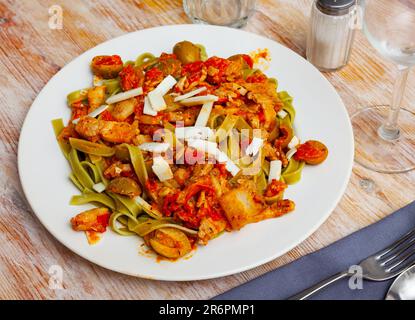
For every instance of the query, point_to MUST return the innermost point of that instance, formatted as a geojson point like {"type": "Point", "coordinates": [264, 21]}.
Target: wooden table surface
{"type": "Point", "coordinates": [31, 53]}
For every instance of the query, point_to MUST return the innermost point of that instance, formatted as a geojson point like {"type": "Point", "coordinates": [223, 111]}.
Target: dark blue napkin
{"type": "Point", "coordinates": [292, 278]}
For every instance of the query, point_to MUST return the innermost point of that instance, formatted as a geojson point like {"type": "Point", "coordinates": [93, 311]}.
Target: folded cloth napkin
{"type": "Point", "coordinates": [301, 274]}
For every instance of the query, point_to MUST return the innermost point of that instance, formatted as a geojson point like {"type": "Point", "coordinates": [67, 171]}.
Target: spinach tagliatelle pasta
{"type": "Point", "coordinates": [181, 147]}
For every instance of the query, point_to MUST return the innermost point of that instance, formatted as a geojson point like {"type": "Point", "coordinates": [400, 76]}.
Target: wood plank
{"type": "Point", "coordinates": [31, 53]}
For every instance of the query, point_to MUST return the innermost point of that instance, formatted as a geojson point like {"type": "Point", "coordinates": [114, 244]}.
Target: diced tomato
{"type": "Point", "coordinates": [196, 188]}
{"type": "Point", "coordinates": [129, 79]}
{"type": "Point", "coordinates": [193, 71]}
{"type": "Point", "coordinates": [106, 115]}
{"type": "Point", "coordinates": [151, 185]}
{"type": "Point", "coordinates": [261, 116]}
{"type": "Point", "coordinates": [165, 56]}
{"type": "Point", "coordinates": [103, 220]}
{"type": "Point", "coordinates": [222, 169]}
{"type": "Point", "coordinates": [275, 188]}
{"type": "Point", "coordinates": [78, 112]}
{"type": "Point", "coordinates": [248, 60]}
{"type": "Point", "coordinates": [153, 74]}
{"type": "Point", "coordinates": [170, 204]}
{"type": "Point", "coordinates": [152, 78]}
{"type": "Point", "coordinates": [216, 68]}
{"type": "Point", "coordinates": [257, 77]}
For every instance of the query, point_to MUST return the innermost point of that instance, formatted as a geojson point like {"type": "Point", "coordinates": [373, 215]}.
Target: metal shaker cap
{"type": "Point", "coordinates": [335, 7]}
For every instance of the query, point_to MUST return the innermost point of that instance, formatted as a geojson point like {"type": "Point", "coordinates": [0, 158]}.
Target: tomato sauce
{"type": "Point", "coordinates": [129, 78]}
{"type": "Point", "coordinates": [108, 60]}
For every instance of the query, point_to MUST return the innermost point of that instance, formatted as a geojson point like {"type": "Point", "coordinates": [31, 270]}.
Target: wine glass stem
{"type": "Point", "coordinates": [389, 130]}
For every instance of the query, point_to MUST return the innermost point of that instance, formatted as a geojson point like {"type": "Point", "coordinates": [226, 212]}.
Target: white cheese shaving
{"type": "Point", "coordinates": [294, 142]}
{"type": "Point", "coordinates": [254, 146]}
{"type": "Point", "coordinates": [157, 101]}
{"type": "Point", "coordinates": [165, 85]}
{"type": "Point", "coordinates": [290, 153]}
{"type": "Point", "coordinates": [189, 94]}
{"type": "Point", "coordinates": [99, 187]}
{"type": "Point", "coordinates": [204, 146]}
{"type": "Point", "coordinates": [186, 133]}
{"type": "Point", "coordinates": [148, 109]}
{"type": "Point", "coordinates": [275, 167]}
{"type": "Point", "coordinates": [95, 113]}
{"type": "Point", "coordinates": [204, 114]}
{"type": "Point", "coordinates": [161, 169]}
{"type": "Point", "coordinates": [211, 148]}
{"type": "Point", "coordinates": [154, 147]}
{"type": "Point", "coordinates": [282, 114]}
{"type": "Point", "coordinates": [124, 95]}
{"type": "Point", "coordinates": [194, 101]}
{"type": "Point", "coordinates": [156, 96]}
{"type": "Point", "coordinates": [229, 164]}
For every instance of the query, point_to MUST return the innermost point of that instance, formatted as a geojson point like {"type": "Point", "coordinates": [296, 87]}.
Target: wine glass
{"type": "Point", "coordinates": [385, 135]}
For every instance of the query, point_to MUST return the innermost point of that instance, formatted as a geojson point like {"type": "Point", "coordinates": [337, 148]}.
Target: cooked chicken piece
{"type": "Point", "coordinates": [118, 169]}
{"type": "Point", "coordinates": [91, 220]}
{"type": "Point", "coordinates": [209, 229]}
{"type": "Point", "coordinates": [239, 207]}
{"type": "Point", "coordinates": [265, 94]}
{"type": "Point", "coordinates": [242, 206]}
{"type": "Point", "coordinates": [88, 128]}
{"type": "Point", "coordinates": [117, 132]}
{"type": "Point", "coordinates": [200, 170]}
{"type": "Point", "coordinates": [219, 182]}
{"type": "Point", "coordinates": [149, 120]}
{"type": "Point", "coordinates": [68, 132]}
{"type": "Point", "coordinates": [181, 175]}
{"type": "Point", "coordinates": [277, 209]}
{"type": "Point", "coordinates": [111, 131]}
{"type": "Point", "coordinates": [234, 70]}
{"type": "Point", "coordinates": [123, 109]}
{"type": "Point", "coordinates": [96, 97]}
{"type": "Point", "coordinates": [188, 116]}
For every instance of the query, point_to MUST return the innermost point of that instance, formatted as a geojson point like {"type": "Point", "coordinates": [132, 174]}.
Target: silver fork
{"type": "Point", "coordinates": [383, 265]}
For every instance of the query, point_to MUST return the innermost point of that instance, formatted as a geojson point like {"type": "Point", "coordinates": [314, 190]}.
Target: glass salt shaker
{"type": "Point", "coordinates": [331, 33]}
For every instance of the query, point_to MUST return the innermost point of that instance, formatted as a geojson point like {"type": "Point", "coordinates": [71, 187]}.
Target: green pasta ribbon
{"type": "Point", "coordinates": [58, 126]}
{"type": "Point", "coordinates": [93, 197]}
{"type": "Point", "coordinates": [91, 148]}
{"type": "Point", "coordinates": [292, 173]}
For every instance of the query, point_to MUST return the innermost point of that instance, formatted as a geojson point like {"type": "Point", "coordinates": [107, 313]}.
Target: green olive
{"type": "Point", "coordinates": [187, 52]}
{"type": "Point", "coordinates": [122, 152]}
{"type": "Point", "coordinates": [107, 67]}
{"type": "Point", "coordinates": [169, 66]}
{"type": "Point", "coordinates": [239, 58]}
{"type": "Point", "coordinates": [124, 186]}
{"type": "Point", "coordinates": [170, 242]}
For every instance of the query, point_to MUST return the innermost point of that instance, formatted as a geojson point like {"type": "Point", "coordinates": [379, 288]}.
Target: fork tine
{"type": "Point", "coordinates": [402, 248]}
{"type": "Point", "coordinates": [394, 245]}
{"type": "Point", "coordinates": [402, 260]}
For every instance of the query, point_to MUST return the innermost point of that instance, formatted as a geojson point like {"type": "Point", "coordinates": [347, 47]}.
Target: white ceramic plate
{"type": "Point", "coordinates": [321, 115]}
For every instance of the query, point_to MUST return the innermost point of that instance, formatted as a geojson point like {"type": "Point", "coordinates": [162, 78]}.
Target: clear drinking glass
{"type": "Point", "coordinates": [231, 13]}
{"type": "Point", "coordinates": [385, 135]}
